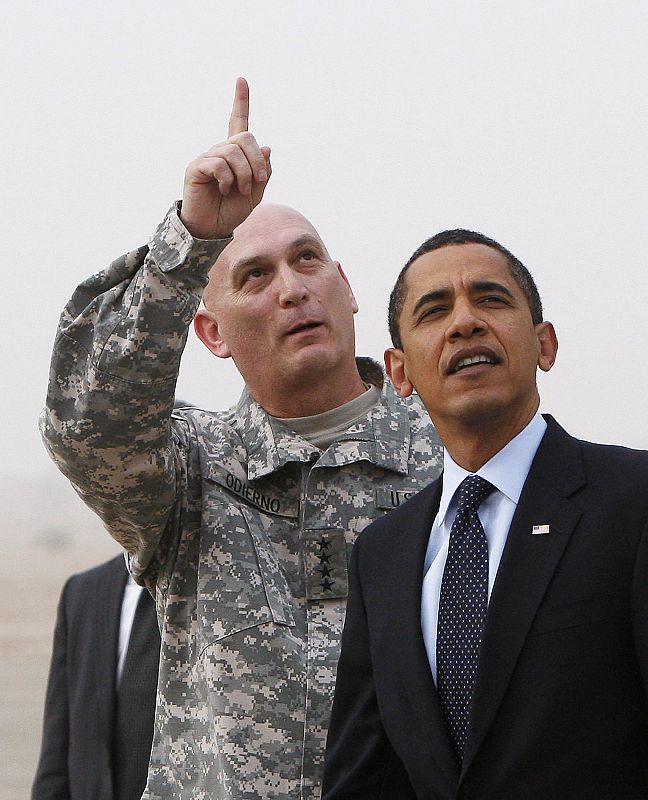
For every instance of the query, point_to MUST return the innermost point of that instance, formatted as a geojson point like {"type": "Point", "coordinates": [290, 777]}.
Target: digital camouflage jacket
{"type": "Point", "coordinates": [241, 528]}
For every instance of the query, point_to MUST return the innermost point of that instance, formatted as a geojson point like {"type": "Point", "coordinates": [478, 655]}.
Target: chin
{"type": "Point", "coordinates": [311, 352]}
{"type": "Point", "coordinates": [314, 358]}
{"type": "Point", "coordinates": [478, 408]}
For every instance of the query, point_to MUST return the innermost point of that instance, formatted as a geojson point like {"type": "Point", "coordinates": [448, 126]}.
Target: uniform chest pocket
{"type": "Point", "coordinates": [240, 581]}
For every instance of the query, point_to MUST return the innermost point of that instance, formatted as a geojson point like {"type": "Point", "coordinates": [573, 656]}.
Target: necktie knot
{"type": "Point", "coordinates": [472, 491]}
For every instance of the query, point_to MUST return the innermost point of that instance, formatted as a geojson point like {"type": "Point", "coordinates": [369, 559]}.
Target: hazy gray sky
{"type": "Point", "coordinates": [525, 120]}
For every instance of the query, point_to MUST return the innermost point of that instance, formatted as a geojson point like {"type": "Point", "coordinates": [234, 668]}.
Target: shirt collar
{"type": "Point", "coordinates": [507, 470]}
{"type": "Point", "coordinates": [382, 436]}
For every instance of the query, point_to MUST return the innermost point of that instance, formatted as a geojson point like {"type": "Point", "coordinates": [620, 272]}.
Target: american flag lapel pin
{"type": "Point", "coordinates": [537, 529]}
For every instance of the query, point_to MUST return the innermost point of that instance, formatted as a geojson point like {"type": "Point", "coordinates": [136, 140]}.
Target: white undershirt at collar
{"type": "Point", "coordinates": [321, 430]}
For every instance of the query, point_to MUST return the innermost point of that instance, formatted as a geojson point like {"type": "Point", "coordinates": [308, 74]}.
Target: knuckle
{"type": "Point", "coordinates": [194, 165]}
{"type": "Point", "coordinates": [245, 139]}
{"type": "Point", "coordinates": [232, 152]}
{"type": "Point", "coordinates": [219, 166]}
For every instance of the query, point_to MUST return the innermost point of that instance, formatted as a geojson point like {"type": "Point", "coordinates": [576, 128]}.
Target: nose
{"type": "Point", "coordinates": [291, 287]}
{"type": "Point", "coordinates": [465, 321]}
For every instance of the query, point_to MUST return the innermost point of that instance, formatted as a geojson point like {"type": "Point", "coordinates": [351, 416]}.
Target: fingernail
{"type": "Point", "coordinates": [263, 176]}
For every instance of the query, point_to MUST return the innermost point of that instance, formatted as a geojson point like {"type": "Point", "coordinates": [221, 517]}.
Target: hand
{"type": "Point", "coordinates": [223, 185]}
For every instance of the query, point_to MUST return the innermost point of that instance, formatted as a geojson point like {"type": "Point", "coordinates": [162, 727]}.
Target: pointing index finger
{"type": "Point", "coordinates": [238, 122]}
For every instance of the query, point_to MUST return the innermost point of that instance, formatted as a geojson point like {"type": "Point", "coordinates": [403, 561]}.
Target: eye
{"type": "Point", "coordinates": [307, 255]}
{"type": "Point", "coordinates": [433, 311]}
{"type": "Point", "coordinates": [254, 274]}
{"type": "Point", "coordinates": [492, 299]}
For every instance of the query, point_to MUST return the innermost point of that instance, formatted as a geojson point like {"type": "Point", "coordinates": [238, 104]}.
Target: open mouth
{"type": "Point", "coordinates": [306, 326]}
{"type": "Point", "coordinates": [471, 361]}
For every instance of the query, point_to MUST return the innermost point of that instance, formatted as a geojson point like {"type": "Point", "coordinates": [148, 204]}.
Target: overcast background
{"type": "Point", "coordinates": [525, 120]}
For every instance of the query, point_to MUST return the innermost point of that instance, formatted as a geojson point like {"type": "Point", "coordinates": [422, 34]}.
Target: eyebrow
{"type": "Point", "coordinates": [491, 286]}
{"type": "Point", "coordinates": [307, 238]}
{"type": "Point", "coordinates": [300, 241]}
{"type": "Point", "coordinates": [245, 262]}
{"type": "Point", "coordinates": [431, 297]}
{"type": "Point", "coordinates": [444, 294]}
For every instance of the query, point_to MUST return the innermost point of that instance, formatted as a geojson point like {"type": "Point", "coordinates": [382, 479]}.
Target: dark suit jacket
{"type": "Point", "coordinates": [560, 709]}
{"type": "Point", "coordinates": [76, 753]}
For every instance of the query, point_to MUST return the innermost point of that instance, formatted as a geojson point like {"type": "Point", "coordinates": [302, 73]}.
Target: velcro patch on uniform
{"type": "Point", "coordinates": [392, 498]}
{"type": "Point", "coordinates": [326, 564]}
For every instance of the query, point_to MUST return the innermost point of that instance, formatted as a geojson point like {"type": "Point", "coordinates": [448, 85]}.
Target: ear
{"type": "Point", "coordinates": [208, 332]}
{"type": "Point", "coordinates": [397, 371]}
{"type": "Point", "coordinates": [548, 345]}
{"type": "Point", "coordinates": [354, 304]}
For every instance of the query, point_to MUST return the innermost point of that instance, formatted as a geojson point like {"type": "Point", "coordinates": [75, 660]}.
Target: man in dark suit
{"type": "Point", "coordinates": [100, 703]}
{"type": "Point", "coordinates": [496, 641]}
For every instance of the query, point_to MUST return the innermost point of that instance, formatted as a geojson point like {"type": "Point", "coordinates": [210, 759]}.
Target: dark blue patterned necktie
{"type": "Point", "coordinates": [462, 609]}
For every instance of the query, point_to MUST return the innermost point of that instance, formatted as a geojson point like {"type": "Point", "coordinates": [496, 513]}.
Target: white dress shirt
{"type": "Point", "coordinates": [507, 471]}
{"type": "Point", "coordinates": [130, 599]}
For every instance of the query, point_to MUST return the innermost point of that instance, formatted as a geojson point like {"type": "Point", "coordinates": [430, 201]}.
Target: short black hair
{"type": "Point", "coordinates": [519, 273]}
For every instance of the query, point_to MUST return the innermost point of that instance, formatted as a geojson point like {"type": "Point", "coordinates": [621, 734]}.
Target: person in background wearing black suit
{"type": "Point", "coordinates": [496, 639]}
{"type": "Point", "coordinates": [100, 702]}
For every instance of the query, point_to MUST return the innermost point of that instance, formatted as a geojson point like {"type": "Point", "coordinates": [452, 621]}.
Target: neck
{"type": "Point", "coordinates": [305, 397]}
{"type": "Point", "coordinates": [472, 444]}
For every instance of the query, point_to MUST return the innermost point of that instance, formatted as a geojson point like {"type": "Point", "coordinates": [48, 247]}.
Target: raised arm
{"type": "Point", "coordinates": [117, 351]}
{"type": "Point", "coordinates": [223, 185]}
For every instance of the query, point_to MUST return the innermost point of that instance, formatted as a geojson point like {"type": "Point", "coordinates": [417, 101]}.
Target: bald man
{"type": "Point", "coordinates": [240, 522]}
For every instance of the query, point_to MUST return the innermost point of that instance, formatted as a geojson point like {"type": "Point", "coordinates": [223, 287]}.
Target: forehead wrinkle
{"type": "Point", "coordinates": [308, 238]}
{"type": "Point", "coordinates": [262, 257]}
{"type": "Point", "coordinates": [268, 214]}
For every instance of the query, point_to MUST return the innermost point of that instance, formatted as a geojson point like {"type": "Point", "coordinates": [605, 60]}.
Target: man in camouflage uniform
{"type": "Point", "coordinates": [240, 522]}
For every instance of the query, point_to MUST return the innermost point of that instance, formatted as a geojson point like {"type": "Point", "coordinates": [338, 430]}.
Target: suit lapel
{"type": "Point", "coordinates": [526, 569]}
{"type": "Point", "coordinates": [403, 628]}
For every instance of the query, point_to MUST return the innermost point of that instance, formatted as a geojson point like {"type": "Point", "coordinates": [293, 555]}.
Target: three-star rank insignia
{"type": "Point", "coordinates": [326, 564]}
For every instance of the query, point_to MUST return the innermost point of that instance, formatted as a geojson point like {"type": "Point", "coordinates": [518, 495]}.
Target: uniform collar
{"type": "Point", "coordinates": [381, 437]}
